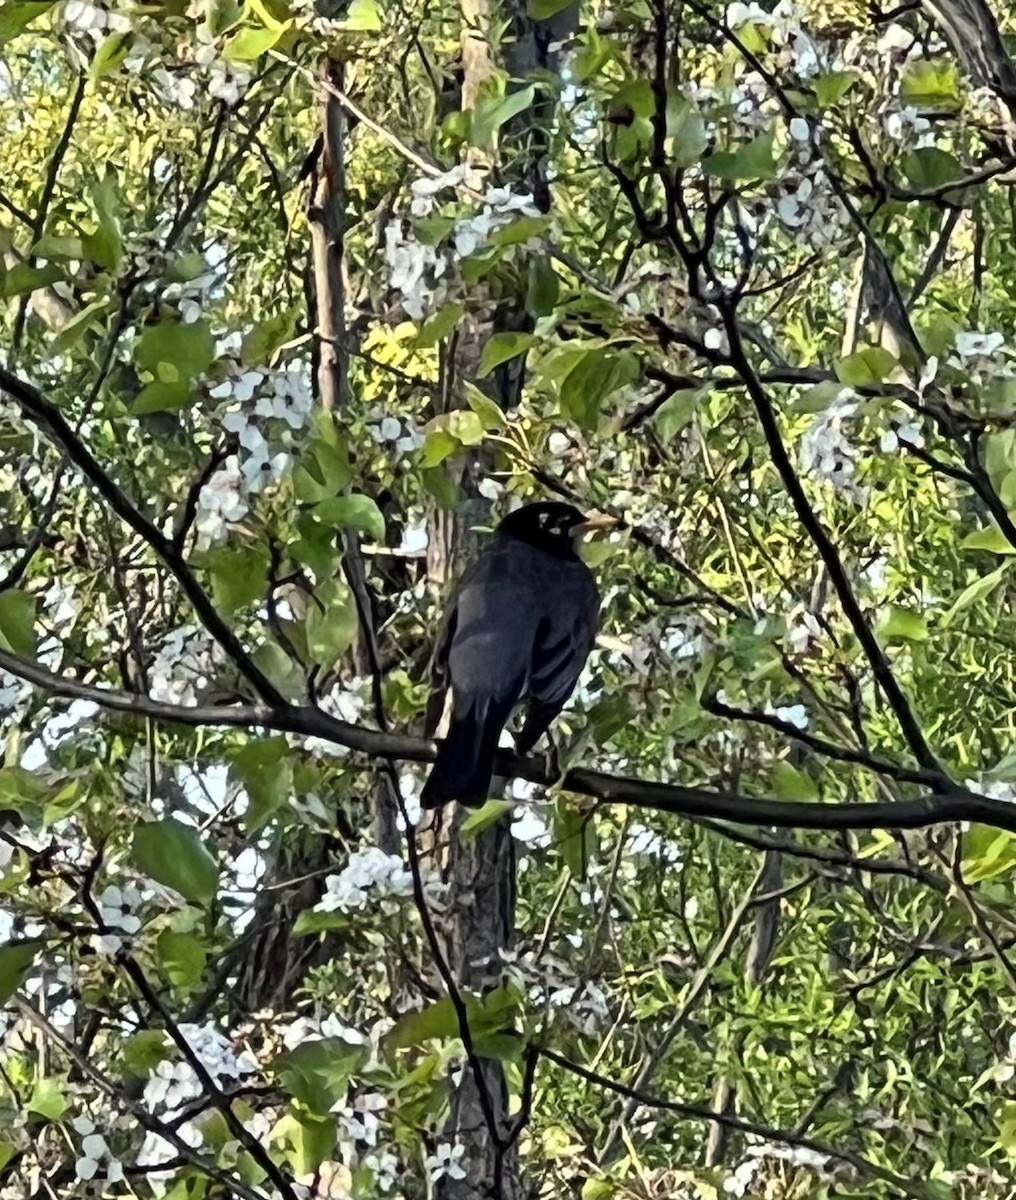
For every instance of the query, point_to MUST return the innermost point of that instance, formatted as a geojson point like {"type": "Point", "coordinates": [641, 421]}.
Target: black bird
{"type": "Point", "coordinates": [520, 625]}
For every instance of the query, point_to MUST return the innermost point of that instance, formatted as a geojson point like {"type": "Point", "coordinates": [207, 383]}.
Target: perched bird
{"type": "Point", "coordinates": [520, 625]}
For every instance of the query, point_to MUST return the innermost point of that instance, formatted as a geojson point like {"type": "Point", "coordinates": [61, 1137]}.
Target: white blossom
{"type": "Point", "coordinates": [96, 1155]}
{"type": "Point", "coordinates": [369, 874]}
{"type": "Point", "coordinates": [220, 502]}
{"type": "Point", "coordinates": [264, 469]}
{"type": "Point", "coordinates": [793, 714]}
{"type": "Point", "coordinates": [445, 1161]}
{"type": "Point", "coordinates": [825, 450]}
{"type": "Point", "coordinates": [805, 630]}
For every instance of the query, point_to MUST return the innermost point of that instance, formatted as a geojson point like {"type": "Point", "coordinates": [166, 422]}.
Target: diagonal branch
{"type": "Point", "coordinates": [44, 413]}
{"type": "Point", "coordinates": [828, 553]}
{"type": "Point", "coordinates": [931, 808]}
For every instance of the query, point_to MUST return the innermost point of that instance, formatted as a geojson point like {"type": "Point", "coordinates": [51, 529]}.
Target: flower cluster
{"type": "Point", "coordinates": [118, 911]}
{"type": "Point", "coordinates": [172, 1084]}
{"type": "Point", "coordinates": [981, 356]}
{"type": "Point", "coordinates": [795, 50]}
{"type": "Point", "coordinates": [825, 452]}
{"type": "Point", "coordinates": [416, 268]}
{"type": "Point", "coordinates": [266, 408]}
{"type": "Point", "coordinates": [96, 1159]}
{"type": "Point", "coordinates": [184, 666]}
{"type": "Point", "coordinates": [403, 437]}
{"type": "Point", "coordinates": [370, 875]}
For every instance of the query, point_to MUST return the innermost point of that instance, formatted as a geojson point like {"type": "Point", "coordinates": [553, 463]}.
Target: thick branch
{"type": "Point", "coordinates": [932, 808]}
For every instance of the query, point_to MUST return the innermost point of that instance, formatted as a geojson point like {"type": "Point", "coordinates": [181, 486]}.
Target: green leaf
{"type": "Point", "coordinates": [542, 286]}
{"type": "Point", "coordinates": [437, 446]}
{"type": "Point", "coordinates": [543, 10]}
{"type": "Point", "coordinates": [182, 957]}
{"type": "Point", "coordinates": [48, 1099]}
{"type": "Point", "coordinates": [7, 1152]}
{"type": "Point", "coordinates": [318, 1073]}
{"type": "Point", "coordinates": [574, 835]}
{"type": "Point", "coordinates": [104, 247]}
{"type": "Point", "coordinates": [437, 1020]}
{"type": "Point", "coordinates": [753, 161]}
{"type": "Point", "coordinates": [17, 622]}
{"type": "Point", "coordinates": [142, 1052]}
{"type": "Point", "coordinates": [493, 112]}
{"type": "Point", "coordinates": [309, 922]}
{"type": "Point", "coordinates": [978, 590]}
{"type": "Point", "coordinates": [817, 399]}
{"type": "Point", "coordinates": [440, 325]}
{"type": "Point", "coordinates": [929, 168]}
{"type": "Point", "coordinates": [831, 88]}
{"type": "Point", "coordinates": [595, 375]}
{"type": "Point", "coordinates": [788, 783]}
{"type": "Point", "coordinates": [905, 624]}
{"type": "Point", "coordinates": [21, 279]}
{"type": "Point", "coordinates": [323, 471]}
{"type": "Point", "coordinates": [352, 512]}
{"type": "Point", "coordinates": [239, 576]}
{"type": "Point", "coordinates": [15, 960]}
{"type": "Point", "coordinates": [991, 539]}
{"type": "Point", "coordinates": [362, 17]}
{"type": "Point", "coordinates": [332, 626]}
{"type": "Point", "coordinates": [261, 342]}
{"type": "Point", "coordinates": [931, 83]}
{"type": "Point", "coordinates": [64, 249]}
{"type": "Point", "coordinates": [433, 230]}
{"type": "Point", "coordinates": [16, 17]}
{"type": "Point", "coordinates": [500, 348]}
{"type": "Point", "coordinates": [306, 1141]}
{"type": "Point", "coordinates": [75, 327]}
{"type": "Point", "coordinates": [265, 768]}
{"type": "Point", "coordinates": [162, 397]}
{"type": "Point", "coordinates": [450, 431]}
{"type": "Point", "coordinates": [221, 15]}
{"type": "Point", "coordinates": [686, 130]}
{"type": "Point", "coordinates": [519, 231]}
{"type": "Point", "coordinates": [250, 43]}
{"type": "Point", "coordinates": [483, 818]}
{"type": "Point", "coordinates": [175, 855]}
{"type": "Point", "coordinates": [865, 367]}
{"type": "Point", "coordinates": [489, 413]}
{"type": "Point", "coordinates": [111, 54]}
{"type": "Point", "coordinates": [187, 349]}
{"type": "Point", "coordinates": [987, 852]}
{"type": "Point", "coordinates": [674, 414]}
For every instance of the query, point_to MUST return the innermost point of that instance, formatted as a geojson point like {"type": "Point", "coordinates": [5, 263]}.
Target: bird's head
{"type": "Point", "coordinates": [553, 526]}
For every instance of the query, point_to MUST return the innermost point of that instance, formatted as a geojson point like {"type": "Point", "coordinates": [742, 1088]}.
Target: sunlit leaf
{"type": "Point", "coordinates": [176, 855]}
{"type": "Point", "coordinates": [17, 622]}
{"type": "Point", "coordinates": [752, 161]}
{"type": "Point", "coordinates": [15, 959]}
{"type": "Point", "coordinates": [500, 348]}
{"type": "Point", "coordinates": [317, 1073]}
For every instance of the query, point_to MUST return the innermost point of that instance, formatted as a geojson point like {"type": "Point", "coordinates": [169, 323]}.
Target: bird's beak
{"type": "Point", "coordinates": [594, 522]}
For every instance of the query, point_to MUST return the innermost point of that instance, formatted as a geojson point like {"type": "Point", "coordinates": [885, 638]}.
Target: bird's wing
{"type": "Point", "coordinates": [564, 639]}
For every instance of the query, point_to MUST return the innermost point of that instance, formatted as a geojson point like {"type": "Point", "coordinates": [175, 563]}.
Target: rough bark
{"type": "Point", "coordinates": [275, 963]}
{"type": "Point", "coordinates": [481, 872]}
{"type": "Point", "coordinates": [974, 36]}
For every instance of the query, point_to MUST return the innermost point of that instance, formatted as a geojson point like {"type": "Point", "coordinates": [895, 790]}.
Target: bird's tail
{"type": "Point", "coordinates": [465, 759]}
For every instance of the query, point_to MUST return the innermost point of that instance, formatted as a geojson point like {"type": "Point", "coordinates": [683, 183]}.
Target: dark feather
{"type": "Point", "coordinates": [520, 625]}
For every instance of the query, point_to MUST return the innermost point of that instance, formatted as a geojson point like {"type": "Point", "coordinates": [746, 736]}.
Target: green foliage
{"type": "Point", "coordinates": [176, 855]}
{"type": "Point", "coordinates": [158, 283]}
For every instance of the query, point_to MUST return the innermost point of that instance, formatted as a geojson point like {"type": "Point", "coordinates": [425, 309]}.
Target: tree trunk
{"type": "Point", "coordinates": [481, 872]}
